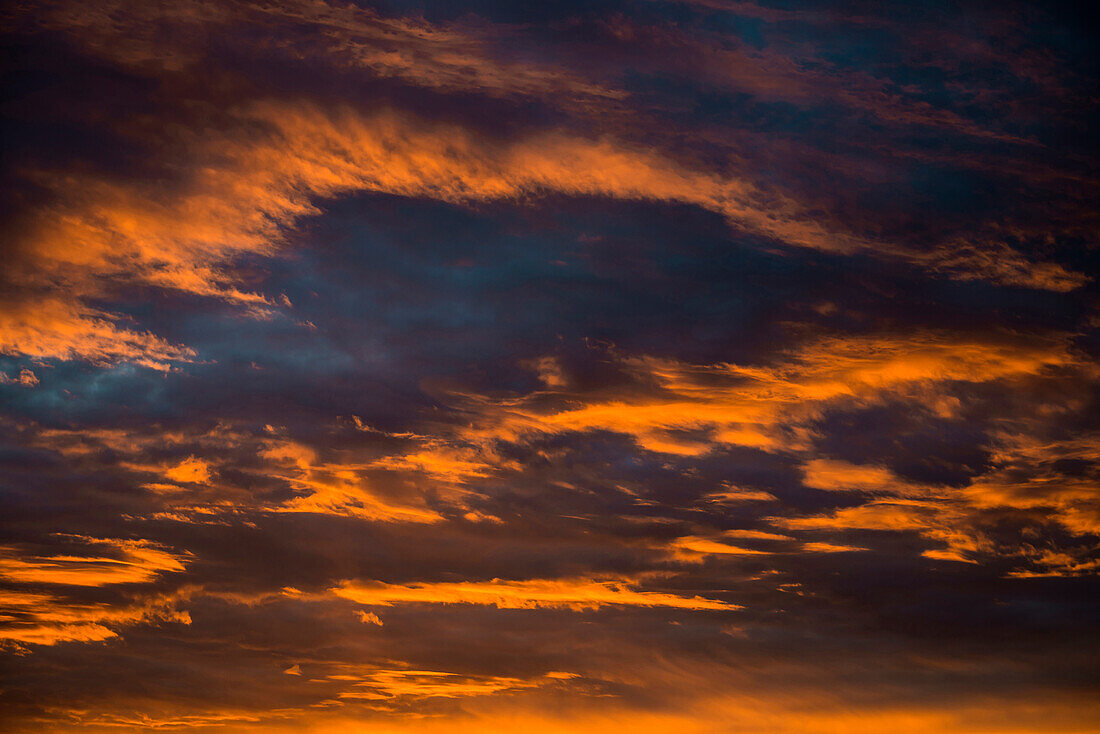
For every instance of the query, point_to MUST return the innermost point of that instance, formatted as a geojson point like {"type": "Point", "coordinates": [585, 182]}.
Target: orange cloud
{"type": "Point", "coordinates": [44, 619]}
{"type": "Point", "coordinates": [26, 378]}
{"type": "Point", "coordinates": [339, 489]}
{"type": "Point", "coordinates": [755, 535]}
{"type": "Point", "coordinates": [692, 548]}
{"type": "Point", "coordinates": [757, 406]}
{"type": "Point", "coordinates": [189, 470]}
{"type": "Point", "coordinates": [1027, 476]}
{"type": "Point", "coordinates": [139, 561]}
{"type": "Point", "coordinates": [817, 547]}
{"type": "Point", "coordinates": [373, 489]}
{"type": "Point", "coordinates": [133, 443]}
{"type": "Point", "coordinates": [1024, 480]}
{"type": "Point", "coordinates": [578, 594]}
{"type": "Point", "coordinates": [442, 462]}
{"type": "Point", "coordinates": [385, 684]}
{"type": "Point", "coordinates": [369, 618]}
{"type": "Point", "coordinates": [46, 327]}
{"type": "Point", "coordinates": [735, 495]}
{"type": "Point", "coordinates": [766, 714]}
{"type": "Point", "coordinates": [843, 476]}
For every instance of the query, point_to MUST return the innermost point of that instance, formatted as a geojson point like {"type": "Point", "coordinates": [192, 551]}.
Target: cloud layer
{"type": "Point", "coordinates": [648, 366]}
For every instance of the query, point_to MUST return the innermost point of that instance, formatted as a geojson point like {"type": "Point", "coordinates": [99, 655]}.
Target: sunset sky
{"type": "Point", "coordinates": [694, 366]}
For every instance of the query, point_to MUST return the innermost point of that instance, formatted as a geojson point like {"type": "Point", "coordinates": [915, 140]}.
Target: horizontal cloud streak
{"type": "Point", "coordinates": [577, 594]}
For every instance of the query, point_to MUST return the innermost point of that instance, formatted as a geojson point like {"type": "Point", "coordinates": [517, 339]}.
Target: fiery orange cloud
{"type": "Point", "coordinates": [954, 516]}
{"type": "Point", "coordinates": [133, 443]}
{"type": "Point", "coordinates": [443, 462]}
{"type": "Point", "coordinates": [844, 476]}
{"type": "Point", "coordinates": [728, 402]}
{"type": "Point", "coordinates": [1027, 476]}
{"type": "Point", "coordinates": [818, 547]}
{"type": "Point", "coordinates": [747, 406]}
{"type": "Point", "coordinates": [35, 618]}
{"type": "Point", "coordinates": [694, 547]}
{"type": "Point", "coordinates": [26, 378]}
{"type": "Point", "coordinates": [755, 535]}
{"type": "Point", "coordinates": [189, 470]}
{"type": "Point", "coordinates": [578, 594]}
{"type": "Point", "coordinates": [370, 618]}
{"type": "Point", "coordinates": [387, 684]}
{"type": "Point", "coordinates": [736, 495]}
{"type": "Point", "coordinates": [38, 618]}
{"type": "Point", "coordinates": [139, 561]}
{"type": "Point", "coordinates": [55, 327]}
{"type": "Point", "coordinates": [341, 489]}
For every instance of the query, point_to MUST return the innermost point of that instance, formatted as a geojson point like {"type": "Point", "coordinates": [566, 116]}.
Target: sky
{"type": "Point", "coordinates": [700, 366]}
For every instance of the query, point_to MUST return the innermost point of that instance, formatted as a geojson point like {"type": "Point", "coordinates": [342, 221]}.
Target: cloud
{"type": "Point", "coordinates": [138, 561]}
{"type": "Point", "coordinates": [235, 189]}
{"type": "Point", "coordinates": [37, 618]}
{"type": "Point", "coordinates": [26, 378]}
{"type": "Point", "coordinates": [333, 488]}
{"type": "Point", "coordinates": [189, 470]}
{"type": "Point", "coordinates": [693, 547]}
{"type": "Point", "coordinates": [386, 684]}
{"type": "Point", "coordinates": [369, 618]}
{"type": "Point", "coordinates": [1022, 486]}
{"type": "Point", "coordinates": [834, 475]}
{"type": "Point", "coordinates": [817, 547]}
{"type": "Point", "coordinates": [52, 327]}
{"type": "Point", "coordinates": [757, 406]}
{"type": "Point", "coordinates": [577, 594]}
{"type": "Point", "coordinates": [489, 362]}
{"type": "Point", "coordinates": [736, 495]}
{"type": "Point", "coordinates": [441, 462]}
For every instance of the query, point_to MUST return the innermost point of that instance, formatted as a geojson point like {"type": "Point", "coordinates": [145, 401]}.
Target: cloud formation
{"type": "Point", "coordinates": [690, 366]}
{"type": "Point", "coordinates": [576, 594]}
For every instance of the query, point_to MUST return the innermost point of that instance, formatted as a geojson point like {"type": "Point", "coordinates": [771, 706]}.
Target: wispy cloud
{"type": "Point", "coordinates": [577, 594]}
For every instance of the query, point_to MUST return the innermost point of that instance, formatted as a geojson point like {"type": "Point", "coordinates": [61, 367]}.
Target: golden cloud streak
{"type": "Point", "coordinates": [140, 561]}
{"type": "Point", "coordinates": [387, 684]}
{"type": "Point", "coordinates": [750, 406]}
{"type": "Point", "coordinates": [44, 619]}
{"type": "Point", "coordinates": [577, 594]}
